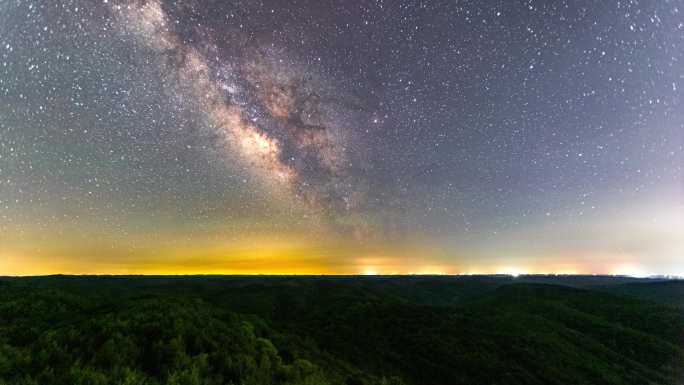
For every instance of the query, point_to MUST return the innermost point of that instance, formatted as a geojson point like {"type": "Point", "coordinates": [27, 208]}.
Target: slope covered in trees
{"type": "Point", "coordinates": [285, 330]}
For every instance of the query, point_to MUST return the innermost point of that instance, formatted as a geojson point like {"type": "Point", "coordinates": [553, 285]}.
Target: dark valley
{"type": "Point", "coordinates": [341, 330]}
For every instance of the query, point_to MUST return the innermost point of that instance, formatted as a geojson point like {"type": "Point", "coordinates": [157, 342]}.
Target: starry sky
{"type": "Point", "coordinates": [341, 137]}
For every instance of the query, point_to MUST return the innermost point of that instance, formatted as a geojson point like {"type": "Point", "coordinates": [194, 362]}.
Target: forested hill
{"type": "Point", "coordinates": [344, 330]}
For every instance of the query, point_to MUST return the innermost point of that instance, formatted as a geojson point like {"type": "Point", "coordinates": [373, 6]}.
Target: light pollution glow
{"type": "Point", "coordinates": [75, 252]}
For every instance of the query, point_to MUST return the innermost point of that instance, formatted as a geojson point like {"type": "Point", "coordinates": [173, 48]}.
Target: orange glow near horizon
{"type": "Point", "coordinates": [282, 261]}
{"type": "Point", "coordinates": [84, 249]}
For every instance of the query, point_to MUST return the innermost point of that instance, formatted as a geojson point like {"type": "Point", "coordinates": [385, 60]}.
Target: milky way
{"type": "Point", "coordinates": [271, 115]}
{"type": "Point", "coordinates": [334, 136]}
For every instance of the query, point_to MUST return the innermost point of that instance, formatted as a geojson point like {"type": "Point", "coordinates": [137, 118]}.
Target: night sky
{"type": "Point", "coordinates": [342, 137]}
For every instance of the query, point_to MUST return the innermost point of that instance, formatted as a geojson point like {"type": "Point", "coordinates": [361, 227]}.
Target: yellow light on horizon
{"type": "Point", "coordinates": [628, 270]}
{"type": "Point", "coordinates": [513, 271]}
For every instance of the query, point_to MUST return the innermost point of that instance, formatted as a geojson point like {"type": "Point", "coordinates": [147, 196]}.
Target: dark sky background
{"type": "Point", "coordinates": [341, 137]}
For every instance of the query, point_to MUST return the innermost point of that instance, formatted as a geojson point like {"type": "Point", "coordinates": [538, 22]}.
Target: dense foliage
{"type": "Point", "coordinates": [229, 330]}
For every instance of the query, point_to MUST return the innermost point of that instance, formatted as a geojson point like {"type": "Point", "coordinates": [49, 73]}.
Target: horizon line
{"type": "Point", "coordinates": [255, 275]}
